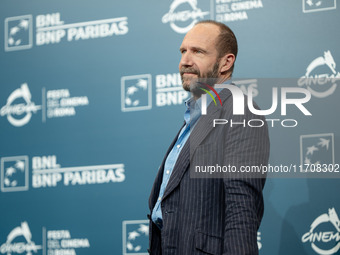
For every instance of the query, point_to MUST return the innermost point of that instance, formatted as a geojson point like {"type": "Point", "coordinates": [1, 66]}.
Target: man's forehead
{"type": "Point", "coordinates": [202, 34]}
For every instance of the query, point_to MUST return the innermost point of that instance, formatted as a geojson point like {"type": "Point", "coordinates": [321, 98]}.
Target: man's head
{"type": "Point", "coordinates": [208, 50]}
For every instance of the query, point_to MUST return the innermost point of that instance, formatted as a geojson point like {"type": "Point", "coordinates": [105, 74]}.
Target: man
{"type": "Point", "coordinates": [208, 215]}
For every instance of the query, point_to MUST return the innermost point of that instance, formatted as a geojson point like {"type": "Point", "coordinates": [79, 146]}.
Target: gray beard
{"type": "Point", "coordinates": [194, 85]}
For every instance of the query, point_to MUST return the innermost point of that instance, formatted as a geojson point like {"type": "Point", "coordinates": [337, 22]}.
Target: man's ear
{"type": "Point", "coordinates": [226, 62]}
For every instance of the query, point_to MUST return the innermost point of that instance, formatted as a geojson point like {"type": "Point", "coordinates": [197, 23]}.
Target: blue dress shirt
{"type": "Point", "coordinates": [191, 115]}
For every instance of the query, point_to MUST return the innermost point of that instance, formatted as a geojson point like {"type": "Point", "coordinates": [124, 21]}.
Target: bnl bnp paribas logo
{"type": "Point", "coordinates": [317, 149]}
{"type": "Point", "coordinates": [324, 233]}
{"type": "Point", "coordinates": [47, 173]}
{"type": "Point", "coordinates": [183, 14]}
{"type": "Point", "coordinates": [18, 33]}
{"type": "Point", "coordinates": [137, 93]}
{"type": "Point", "coordinates": [318, 5]}
{"type": "Point", "coordinates": [14, 173]}
{"type": "Point", "coordinates": [135, 237]}
{"type": "Point", "coordinates": [50, 29]}
{"type": "Point", "coordinates": [19, 241]}
{"type": "Point", "coordinates": [321, 76]}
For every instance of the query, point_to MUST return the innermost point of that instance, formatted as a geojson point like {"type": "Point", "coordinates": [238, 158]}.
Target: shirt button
{"type": "Point", "coordinates": [167, 172]}
{"type": "Point", "coordinates": [159, 199]}
{"type": "Point", "coordinates": [178, 146]}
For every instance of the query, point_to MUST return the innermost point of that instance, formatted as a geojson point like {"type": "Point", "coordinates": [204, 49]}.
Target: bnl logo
{"type": "Point", "coordinates": [136, 92]}
{"type": "Point", "coordinates": [318, 5]}
{"type": "Point", "coordinates": [135, 237]}
{"type": "Point", "coordinates": [14, 173]}
{"type": "Point", "coordinates": [317, 149]}
{"type": "Point", "coordinates": [18, 33]}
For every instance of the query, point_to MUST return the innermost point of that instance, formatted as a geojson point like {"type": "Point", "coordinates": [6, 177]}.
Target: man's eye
{"type": "Point", "coordinates": [198, 51]}
{"type": "Point", "coordinates": [183, 51]}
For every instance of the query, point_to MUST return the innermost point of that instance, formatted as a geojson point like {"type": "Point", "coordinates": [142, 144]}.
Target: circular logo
{"type": "Point", "coordinates": [23, 110]}
{"type": "Point", "coordinates": [321, 84]}
{"type": "Point", "coordinates": [173, 17]}
{"type": "Point", "coordinates": [20, 247]}
{"type": "Point", "coordinates": [324, 238]}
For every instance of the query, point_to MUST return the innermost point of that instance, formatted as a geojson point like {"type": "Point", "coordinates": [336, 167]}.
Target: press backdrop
{"type": "Point", "coordinates": [90, 99]}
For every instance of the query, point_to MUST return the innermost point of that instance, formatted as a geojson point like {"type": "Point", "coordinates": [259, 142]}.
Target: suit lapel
{"type": "Point", "coordinates": [198, 134]}
{"type": "Point", "coordinates": [158, 181]}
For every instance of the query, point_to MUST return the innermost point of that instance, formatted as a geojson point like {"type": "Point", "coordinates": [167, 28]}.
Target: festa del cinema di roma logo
{"type": "Point", "coordinates": [19, 107]}
{"type": "Point", "coordinates": [324, 242]}
{"type": "Point", "coordinates": [25, 245]}
{"type": "Point", "coordinates": [56, 103]}
{"type": "Point", "coordinates": [321, 77]}
{"type": "Point", "coordinates": [182, 21]}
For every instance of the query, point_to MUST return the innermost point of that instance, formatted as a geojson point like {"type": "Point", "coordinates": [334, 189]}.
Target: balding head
{"type": "Point", "coordinates": [202, 56]}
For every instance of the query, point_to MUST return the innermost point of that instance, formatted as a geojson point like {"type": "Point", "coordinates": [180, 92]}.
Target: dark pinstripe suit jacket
{"type": "Point", "coordinates": [212, 216]}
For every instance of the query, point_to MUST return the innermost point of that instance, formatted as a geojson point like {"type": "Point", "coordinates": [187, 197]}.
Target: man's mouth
{"type": "Point", "coordinates": [189, 74]}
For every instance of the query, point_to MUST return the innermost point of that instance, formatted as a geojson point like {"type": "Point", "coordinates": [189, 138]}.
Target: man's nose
{"type": "Point", "coordinates": [186, 59]}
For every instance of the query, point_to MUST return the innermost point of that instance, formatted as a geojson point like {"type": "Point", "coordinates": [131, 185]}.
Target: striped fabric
{"type": "Point", "coordinates": [212, 215]}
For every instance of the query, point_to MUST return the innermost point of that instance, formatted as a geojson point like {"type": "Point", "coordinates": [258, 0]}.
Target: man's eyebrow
{"type": "Point", "coordinates": [193, 48]}
{"type": "Point", "coordinates": [200, 49]}
{"type": "Point", "coordinates": [183, 48]}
